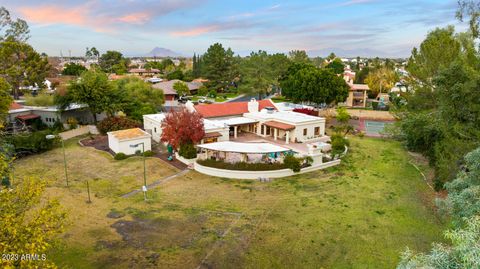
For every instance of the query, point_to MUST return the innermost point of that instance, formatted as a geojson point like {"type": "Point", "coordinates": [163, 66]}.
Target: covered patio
{"type": "Point", "coordinates": [280, 129]}
{"type": "Point", "coordinates": [233, 152]}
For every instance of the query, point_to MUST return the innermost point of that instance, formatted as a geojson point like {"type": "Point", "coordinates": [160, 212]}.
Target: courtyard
{"type": "Point", "coordinates": [361, 214]}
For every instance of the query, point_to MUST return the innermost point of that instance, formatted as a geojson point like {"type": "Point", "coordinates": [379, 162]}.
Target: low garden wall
{"type": "Point", "coordinates": [239, 174]}
{"type": "Point", "coordinates": [188, 162]}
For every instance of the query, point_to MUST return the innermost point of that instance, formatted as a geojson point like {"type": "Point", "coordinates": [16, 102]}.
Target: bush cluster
{"type": "Point", "coordinates": [338, 143]}
{"type": "Point", "coordinates": [120, 156]}
{"type": "Point", "coordinates": [242, 165]}
{"type": "Point", "coordinates": [116, 123]}
{"type": "Point", "coordinates": [149, 153]}
{"type": "Point", "coordinates": [35, 142]}
{"type": "Point", "coordinates": [188, 151]}
{"type": "Point", "coordinates": [293, 163]}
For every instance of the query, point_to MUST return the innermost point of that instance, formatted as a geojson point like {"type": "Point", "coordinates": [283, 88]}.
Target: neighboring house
{"type": "Point", "coordinates": [124, 141]}
{"type": "Point", "coordinates": [228, 121]}
{"type": "Point", "coordinates": [49, 115]}
{"type": "Point", "coordinates": [171, 96]}
{"type": "Point", "coordinates": [144, 72]}
{"type": "Point", "coordinates": [357, 96]}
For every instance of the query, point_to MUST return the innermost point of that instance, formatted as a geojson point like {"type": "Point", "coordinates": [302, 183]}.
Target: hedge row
{"type": "Point", "coordinates": [242, 165]}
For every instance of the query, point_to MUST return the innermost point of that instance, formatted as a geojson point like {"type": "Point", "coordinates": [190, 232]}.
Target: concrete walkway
{"type": "Point", "coordinates": [157, 183]}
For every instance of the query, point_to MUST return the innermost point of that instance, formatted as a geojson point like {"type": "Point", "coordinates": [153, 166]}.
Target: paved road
{"type": "Point", "coordinates": [246, 98]}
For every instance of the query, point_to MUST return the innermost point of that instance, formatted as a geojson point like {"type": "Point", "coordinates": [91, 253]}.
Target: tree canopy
{"type": "Point", "coordinates": [21, 65]}
{"type": "Point", "coordinates": [306, 83]}
{"type": "Point", "coordinates": [299, 56]}
{"type": "Point", "coordinates": [73, 69]}
{"type": "Point", "coordinates": [181, 88]}
{"type": "Point", "coordinates": [337, 66]}
{"type": "Point", "coordinates": [5, 100]}
{"type": "Point", "coordinates": [182, 127]}
{"type": "Point", "coordinates": [381, 80]}
{"type": "Point", "coordinates": [113, 62]}
{"type": "Point", "coordinates": [93, 89]}
{"type": "Point", "coordinates": [13, 30]}
{"type": "Point", "coordinates": [219, 66]}
{"type": "Point", "coordinates": [28, 225]}
{"type": "Point", "coordinates": [137, 97]}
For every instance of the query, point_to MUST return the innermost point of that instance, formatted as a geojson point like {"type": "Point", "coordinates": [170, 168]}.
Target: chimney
{"type": "Point", "coordinates": [253, 106]}
{"type": "Point", "coordinates": [189, 106]}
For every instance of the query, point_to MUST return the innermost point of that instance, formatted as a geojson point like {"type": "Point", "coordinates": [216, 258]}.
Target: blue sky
{"type": "Point", "coordinates": [134, 27]}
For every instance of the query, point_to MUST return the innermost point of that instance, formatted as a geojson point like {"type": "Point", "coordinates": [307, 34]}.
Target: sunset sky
{"type": "Point", "coordinates": [354, 27]}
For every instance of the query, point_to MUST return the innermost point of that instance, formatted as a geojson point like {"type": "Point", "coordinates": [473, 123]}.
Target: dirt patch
{"type": "Point", "coordinates": [160, 232]}
{"type": "Point", "coordinates": [99, 142]}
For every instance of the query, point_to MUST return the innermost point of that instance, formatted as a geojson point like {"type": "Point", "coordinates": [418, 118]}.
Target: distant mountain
{"type": "Point", "coordinates": [162, 52]}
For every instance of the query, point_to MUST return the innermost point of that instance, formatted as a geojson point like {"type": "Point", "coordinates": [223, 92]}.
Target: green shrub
{"type": "Point", "coordinates": [34, 142]}
{"type": "Point", "coordinates": [188, 151]}
{"type": "Point", "coordinates": [120, 156]}
{"type": "Point", "coordinates": [58, 126]}
{"type": "Point", "coordinates": [338, 143]}
{"type": "Point", "coordinates": [149, 153]}
{"type": "Point", "coordinates": [242, 166]}
{"type": "Point", "coordinates": [292, 163]}
{"type": "Point", "coordinates": [212, 94]}
{"type": "Point", "coordinates": [202, 91]}
{"type": "Point", "coordinates": [42, 99]}
{"type": "Point", "coordinates": [72, 123]}
{"type": "Point", "coordinates": [116, 123]}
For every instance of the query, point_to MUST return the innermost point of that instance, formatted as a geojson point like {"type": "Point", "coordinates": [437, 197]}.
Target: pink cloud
{"type": "Point", "coordinates": [136, 18]}
{"type": "Point", "coordinates": [80, 16]}
{"type": "Point", "coordinates": [196, 31]}
{"type": "Point", "coordinates": [53, 14]}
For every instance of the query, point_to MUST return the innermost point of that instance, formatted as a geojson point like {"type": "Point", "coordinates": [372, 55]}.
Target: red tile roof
{"type": "Point", "coordinates": [280, 125]}
{"type": "Point", "coordinates": [359, 87]}
{"type": "Point", "coordinates": [14, 105]}
{"type": "Point", "coordinates": [229, 109]}
{"type": "Point", "coordinates": [28, 117]}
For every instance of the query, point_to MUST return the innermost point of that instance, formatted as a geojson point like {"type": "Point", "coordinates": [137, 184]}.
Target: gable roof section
{"type": "Point", "coordinates": [14, 106]}
{"type": "Point", "coordinates": [167, 86]}
{"type": "Point", "coordinates": [129, 134]}
{"type": "Point", "coordinates": [229, 109]}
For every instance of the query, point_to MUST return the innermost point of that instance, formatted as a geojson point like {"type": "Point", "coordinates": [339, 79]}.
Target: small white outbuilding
{"type": "Point", "coordinates": [123, 141]}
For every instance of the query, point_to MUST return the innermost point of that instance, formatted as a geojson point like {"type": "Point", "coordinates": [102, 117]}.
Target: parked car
{"type": "Point", "coordinates": [204, 100]}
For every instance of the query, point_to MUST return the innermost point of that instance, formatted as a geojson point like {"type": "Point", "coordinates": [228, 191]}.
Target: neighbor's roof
{"type": "Point", "coordinates": [237, 147]}
{"type": "Point", "coordinates": [279, 125]}
{"type": "Point", "coordinates": [27, 117]}
{"type": "Point", "coordinates": [14, 106]}
{"type": "Point", "coordinates": [129, 134]}
{"type": "Point", "coordinates": [167, 86]}
{"type": "Point", "coordinates": [142, 70]}
{"type": "Point", "coordinates": [212, 134]}
{"type": "Point", "coordinates": [359, 87]}
{"type": "Point", "coordinates": [229, 109]}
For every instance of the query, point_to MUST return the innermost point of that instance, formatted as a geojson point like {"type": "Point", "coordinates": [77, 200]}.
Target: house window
{"type": "Point", "coordinates": [155, 129]}
{"type": "Point", "coordinates": [317, 130]}
{"type": "Point", "coordinates": [305, 131]}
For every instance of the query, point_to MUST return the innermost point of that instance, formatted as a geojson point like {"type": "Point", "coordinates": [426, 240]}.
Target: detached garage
{"type": "Point", "coordinates": [124, 140]}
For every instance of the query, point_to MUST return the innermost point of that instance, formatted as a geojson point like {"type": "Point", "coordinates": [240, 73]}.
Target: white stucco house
{"type": "Point", "coordinates": [124, 140]}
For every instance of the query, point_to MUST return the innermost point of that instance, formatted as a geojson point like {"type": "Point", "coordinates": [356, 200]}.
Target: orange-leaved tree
{"type": "Point", "coordinates": [182, 127]}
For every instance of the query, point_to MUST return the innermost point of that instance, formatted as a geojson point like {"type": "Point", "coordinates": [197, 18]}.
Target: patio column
{"type": "Point", "coordinates": [235, 131]}
{"type": "Point", "coordinates": [263, 131]}
{"type": "Point", "coordinates": [275, 133]}
{"type": "Point", "coordinates": [287, 139]}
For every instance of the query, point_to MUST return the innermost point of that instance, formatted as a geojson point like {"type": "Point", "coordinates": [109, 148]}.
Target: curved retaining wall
{"type": "Point", "coordinates": [238, 174]}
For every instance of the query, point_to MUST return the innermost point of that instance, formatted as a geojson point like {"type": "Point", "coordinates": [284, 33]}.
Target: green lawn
{"type": "Point", "coordinates": [361, 214]}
